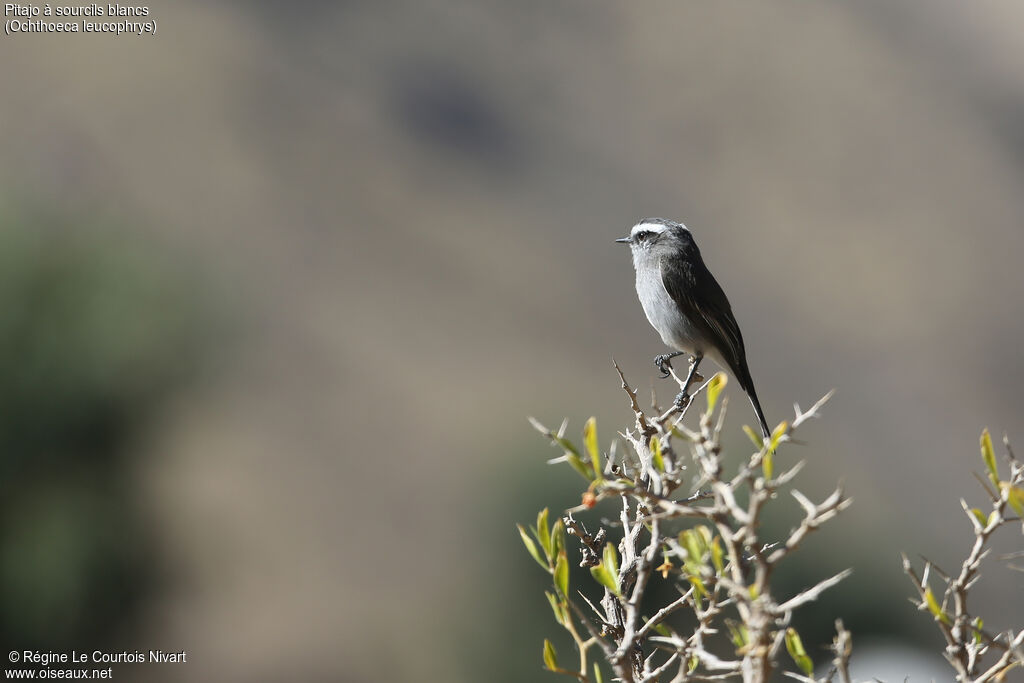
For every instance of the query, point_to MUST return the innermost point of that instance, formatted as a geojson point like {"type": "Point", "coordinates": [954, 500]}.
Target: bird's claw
{"type": "Point", "coordinates": [681, 400]}
{"type": "Point", "coordinates": [661, 361]}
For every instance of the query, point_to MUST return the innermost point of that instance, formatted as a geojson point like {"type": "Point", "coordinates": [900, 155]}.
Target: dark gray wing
{"type": "Point", "coordinates": [701, 299]}
{"type": "Point", "coordinates": [699, 296]}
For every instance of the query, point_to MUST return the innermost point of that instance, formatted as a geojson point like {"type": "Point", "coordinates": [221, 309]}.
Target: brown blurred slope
{"type": "Point", "coordinates": [413, 207]}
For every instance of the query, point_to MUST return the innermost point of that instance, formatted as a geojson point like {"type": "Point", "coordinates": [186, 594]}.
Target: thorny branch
{"type": "Point", "coordinates": [687, 520]}
{"type": "Point", "coordinates": [718, 562]}
{"type": "Point", "coordinates": [967, 643]}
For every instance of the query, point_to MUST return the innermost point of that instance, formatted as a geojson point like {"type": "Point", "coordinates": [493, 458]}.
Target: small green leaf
{"type": "Point", "coordinates": [605, 578]}
{"type": "Point", "coordinates": [611, 559]}
{"type": "Point", "coordinates": [598, 676]}
{"type": "Point", "coordinates": [1015, 497]}
{"type": "Point", "coordinates": [590, 441]}
{"type": "Point", "coordinates": [543, 535]}
{"type": "Point", "coordinates": [683, 436]}
{"type": "Point", "coordinates": [566, 445]}
{"type": "Point", "coordinates": [933, 606]}
{"type": "Point", "coordinates": [695, 544]}
{"type": "Point", "coordinates": [590, 437]}
{"type": "Point", "coordinates": [717, 555]}
{"type": "Point", "coordinates": [737, 634]}
{"type": "Point", "coordinates": [577, 464]}
{"type": "Point", "coordinates": [688, 542]}
{"type": "Point", "coordinates": [656, 457]}
{"type": "Point", "coordinates": [550, 656]}
{"type": "Point", "coordinates": [977, 624]}
{"type": "Point", "coordinates": [561, 574]}
{"type": "Point", "coordinates": [691, 666]}
{"type": "Point", "coordinates": [768, 464]}
{"type": "Point", "coordinates": [571, 455]}
{"type": "Point", "coordinates": [556, 607]}
{"type": "Point", "coordinates": [557, 537]}
{"type": "Point", "coordinates": [531, 548]}
{"type": "Point", "coordinates": [715, 387]}
{"type": "Point", "coordinates": [796, 650]}
{"type": "Point", "coordinates": [980, 516]}
{"type": "Point", "coordinates": [989, 456]}
{"type": "Point", "coordinates": [777, 435]}
{"type": "Point", "coordinates": [754, 437]}
{"type": "Point", "coordinates": [698, 585]}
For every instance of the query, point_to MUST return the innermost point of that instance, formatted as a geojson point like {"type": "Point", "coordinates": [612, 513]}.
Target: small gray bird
{"type": "Point", "coordinates": [685, 304]}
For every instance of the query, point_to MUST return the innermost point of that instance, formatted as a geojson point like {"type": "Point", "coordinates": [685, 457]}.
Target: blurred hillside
{"type": "Point", "coordinates": [406, 213]}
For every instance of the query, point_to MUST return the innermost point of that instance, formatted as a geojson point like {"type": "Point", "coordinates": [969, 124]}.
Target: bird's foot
{"type": "Point", "coordinates": [663, 360]}
{"type": "Point", "coordinates": [682, 400]}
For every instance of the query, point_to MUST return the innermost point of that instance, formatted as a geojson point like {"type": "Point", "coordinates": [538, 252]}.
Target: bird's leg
{"type": "Point", "coordinates": [683, 398]}
{"type": "Point", "coordinates": [666, 359]}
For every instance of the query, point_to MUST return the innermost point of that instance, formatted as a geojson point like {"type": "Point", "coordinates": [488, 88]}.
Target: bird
{"type": "Point", "coordinates": [685, 304]}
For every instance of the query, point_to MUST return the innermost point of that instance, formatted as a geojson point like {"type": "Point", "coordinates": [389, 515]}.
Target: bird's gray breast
{"type": "Point", "coordinates": [665, 316]}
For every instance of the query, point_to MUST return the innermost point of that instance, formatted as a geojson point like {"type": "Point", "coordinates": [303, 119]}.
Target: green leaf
{"type": "Point", "coordinates": [572, 456]}
{"type": "Point", "coordinates": [556, 607]}
{"type": "Point", "coordinates": [561, 574]}
{"type": "Point", "coordinates": [550, 656]}
{"type": "Point", "coordinates": [933, 606]}
{"type": "Point", "coordinates": [557, 537]}
{"type": "Point", "coordinates": [696, 544]}
{"type": "Point", "coordinates": [605, 578]}
{"type": "Point", "coordinates": [768, 464]}
{"type": "Point", "coordinates": [698, 585]}
{"type": "Point", "coordinates": [531, 548]}
{"type": "Point", "coordinates": [590, 441]}
{"type": "Point", "coordinates": [661, 629]}
{"type": "Point", "coordinates": [980, 516]}
{"type": "Point", "coordinates": [598, 676]}
{"type": "Point", "coordinates": [737, 634]}
{"type": "Point", "coordinates": [656, 457]}
{"type": "Point", "coordinates": [689, 544]}
{"type": "Point", "coordinates": [691, 666]}
{"type": "Point", "coordinates": [1015, 497]}
{"type": "Point", "coordinates": [611, 559]}
{"type": "Point", "coordinates": [777, 435]}
{"type": "Point", "coordinates": [715, 387]}
{"type": "Point", "coordinates": [577, 464]}
{"type": "Point", "coordinates": [989, 456]}
{"type": "Point", "coordinates": [754, 437]}
{"type": "Point", "coordinates": [977, 624]}
{"type": "Point", "coordinates": [717, 555]}
{"type": "Point", "coordinates": [543, 535]}
{"type": "Point", "coordinates": [566, 445]}
{"type": "Point", "coordinates": [681, 435]}
{"type": "Point", "coordinates": [796, 650]}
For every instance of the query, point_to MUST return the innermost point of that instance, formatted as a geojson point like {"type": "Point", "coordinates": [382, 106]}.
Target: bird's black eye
{"type": "Point", "coordinates": [643, 235]}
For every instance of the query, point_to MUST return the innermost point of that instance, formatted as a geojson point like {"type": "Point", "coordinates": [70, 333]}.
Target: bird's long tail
{"type": "Point", "coordinates": [752, 395]}
{"type": "Point", "coordinates": [747, 383]}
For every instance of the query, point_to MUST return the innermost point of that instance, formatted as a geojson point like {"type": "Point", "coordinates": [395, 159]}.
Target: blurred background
{"type": "Point", "coordinates": [281, 284]}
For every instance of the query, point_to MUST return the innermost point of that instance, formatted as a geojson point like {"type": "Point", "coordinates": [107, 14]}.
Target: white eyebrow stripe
{"type": "Point", "coordinates": [649, 227]}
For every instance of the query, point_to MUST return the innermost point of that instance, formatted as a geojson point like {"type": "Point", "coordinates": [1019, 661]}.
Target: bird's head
{"type": "Point", "coordinates": [653, 236]}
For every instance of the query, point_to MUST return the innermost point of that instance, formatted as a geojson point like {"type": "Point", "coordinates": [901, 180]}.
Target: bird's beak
{"type": "Point", "coordinates": [623, 240]}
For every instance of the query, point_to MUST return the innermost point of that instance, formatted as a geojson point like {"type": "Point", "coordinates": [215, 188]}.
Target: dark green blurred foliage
{"type": "Point", "coordinates": [97, 329]}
